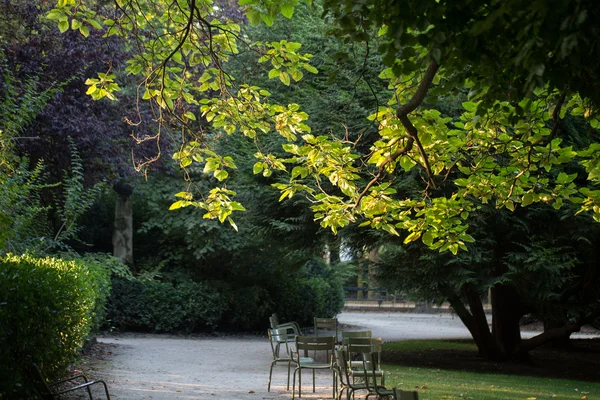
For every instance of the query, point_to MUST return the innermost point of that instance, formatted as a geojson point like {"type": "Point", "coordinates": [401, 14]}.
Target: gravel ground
{"type": "Point", "coordinates": [163, 367]}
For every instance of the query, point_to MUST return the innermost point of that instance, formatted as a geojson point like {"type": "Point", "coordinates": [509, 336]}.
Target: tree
{"type": "Point", "coordinates": [522, 69]}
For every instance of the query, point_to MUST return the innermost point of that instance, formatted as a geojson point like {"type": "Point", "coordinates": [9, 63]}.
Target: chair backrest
{"type": "Point", "coordinates": [341, 363]}
{"type": "Point", "coordinates": [316, 344]}
{"type": "Point", "coordinates": [35, 376]}
{"type": "Point", "coordinates": [331, 324]}
{"type": "Point", "coordinates": [346, 335]}
{"type": "Point", "coordinates": [374, 380]}
{"type": "Point", "coordinates": [359, 345]}
{"type": "Point", "coordinates": [277, 337]}
{"type": "Point", "coordinates": [274, 321]}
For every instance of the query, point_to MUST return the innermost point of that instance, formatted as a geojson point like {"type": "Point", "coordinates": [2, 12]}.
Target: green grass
{"type": "Point", "coordinates": [445, 385]}
{"type": "Point", "coordinates": [439, 384]}
{"type": "Point", "coordinates": [418, 345]}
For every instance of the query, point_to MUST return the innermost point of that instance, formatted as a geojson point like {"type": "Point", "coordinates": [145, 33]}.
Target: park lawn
{"type": "Point", "coordinates": [443, 384]}
{"type": "Point", "coordinates": [446, 385]}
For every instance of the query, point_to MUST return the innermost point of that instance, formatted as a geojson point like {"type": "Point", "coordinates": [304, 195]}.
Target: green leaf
{"type": "Point", "coordinates": [427, 238]}
{"type": "Point", "coordinates": [274, 73]}
{"type": "Point", "coordinates": [268, 19]}
{"type": "Point", "coordinates": [310, 68]}
{"type": "Point", "coordinates": [510, 205]}
{"type": "Point", "coordinates": [178, 204]}
{"type": "Point", "coordinates": [186, 161]}
{"type": "Point", "coordinates": [84, 30]}
{"type": "Point", "coordinates": [258, 167]}
{"type": "Point", "coordinates": [253, 16]}
{"type": "Point", "coordinates": [412, 237]}
{"type": "Point", "coordinates": [284, 78]}
{"type": "Point", "coordinates": [233, 225]}
{"type": "Point", "coordinates": [221, 174]}
{"type": "Point", "coordinates": [287, 10]}
{"type": "Point", "coordinates": [184, 195]}
{"type": "Point", "coordinates": [210, 166]}
{"type": "Point", "coordinates": [469, 106]}
{"type": "Point", "coordinates": [527, 199]}
{"type": "Point", "coordinates": [190, 115]}
{"type": "Point", "coordinates": [55, 15]}
{"type": "Point", "coordinates": [63, 26]}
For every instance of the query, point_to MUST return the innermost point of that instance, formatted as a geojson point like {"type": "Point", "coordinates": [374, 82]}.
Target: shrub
{"type": "Point", "coordinates": [151, 305]}
{"type": "Point", "coordinates": [303, 299]}
{"type": "Point", "coordinates": [48, 308]}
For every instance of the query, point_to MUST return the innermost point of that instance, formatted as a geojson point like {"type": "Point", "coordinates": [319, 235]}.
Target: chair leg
{"type": "Point", "coordinates": [294, 384]}
{"type": "Point", "coordinates": [313, 380]}
{"type": "Point", "coordinates": [300, 382]}
{"type": "Point", "coordinates": [288, 381]}
{"type": "Point", "coordinates": [333, 384]}
{"type": "Point", "coordinates": [271, 374]}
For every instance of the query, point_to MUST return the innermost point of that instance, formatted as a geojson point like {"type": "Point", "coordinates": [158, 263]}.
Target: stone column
{"type": "Point", "coordinates": [122, 238]}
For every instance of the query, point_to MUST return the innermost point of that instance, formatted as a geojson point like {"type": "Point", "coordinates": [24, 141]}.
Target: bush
{"type": "Point", "coordinates": [306, 298]}
{"type": "Point", "coordinates": [48, 308]}
{"type": "Point", "coordinates": [151, 305]}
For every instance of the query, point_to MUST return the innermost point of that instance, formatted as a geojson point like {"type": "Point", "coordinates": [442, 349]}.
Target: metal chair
{"type": "Point", "coordinates": [51, 391]}
{"type": "Point", "coordinates": [355, 348]}
{"type": "Point", "coordinates": [277, 338]}
{"type": "Point", "coordinates": [345, 375]}
{"type": "Point", "coordinates": [374, 386]}
{"type": "Point", "coordinates": [346, 335]}
{"type": "Point", "coordinates": [319, 345]}
{"type": "Point", "coordinates": [291, 326]}
{"type": "Point", "coordinates": [330, 324]}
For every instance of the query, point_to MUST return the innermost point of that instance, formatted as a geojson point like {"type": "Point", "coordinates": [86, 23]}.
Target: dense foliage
{"type": "Point", "coordinates": [48, 308]}
{"type": "Point", "coordinates": [485, 108]}
{"type": "Point", "coordinates": [164, 307]}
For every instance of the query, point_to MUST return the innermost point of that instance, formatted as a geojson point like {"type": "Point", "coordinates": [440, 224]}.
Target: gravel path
{"type": "Point", "coordinates": [163, 367]}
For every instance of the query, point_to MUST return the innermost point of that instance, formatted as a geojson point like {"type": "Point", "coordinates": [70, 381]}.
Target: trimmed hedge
{"type": "Point", "coordinates": [48, 308]}
{"type": "Point", "coordinates": [150, 305]}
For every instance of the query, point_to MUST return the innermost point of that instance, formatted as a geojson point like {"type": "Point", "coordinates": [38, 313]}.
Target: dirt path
{"type": "Point", "coordinates": [163, 367]}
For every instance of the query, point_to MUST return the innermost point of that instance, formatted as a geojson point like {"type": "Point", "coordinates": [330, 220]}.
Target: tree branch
{"type": "Point", "coordinates": [402, 114]}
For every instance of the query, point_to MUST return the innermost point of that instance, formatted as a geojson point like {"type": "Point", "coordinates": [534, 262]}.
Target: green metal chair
{"type": "Point", "coordinates": [345, 376]}
{"type": "Point", "coordinates": [324, 345]}
{"type": "Point", "coordinates": [355, 359]}
{"type": "Point", "coordinates": [53, 391]}
{"type": "Point", "coordinates": [346, 335]}
{"type": "Point", "coordinates": [277, 338]}
{"type": "Point", "coordinates": [329, 324]}
{"type": "Point", "coordinates": [355, 348]}
{"type": "Point", "coordinates": [374, 379]}
{"type": "Point", "coordinates": [291, 326]}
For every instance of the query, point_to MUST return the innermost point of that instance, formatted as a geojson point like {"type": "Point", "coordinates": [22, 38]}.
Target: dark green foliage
{"type": "Point", "coordinates": [509, 46]}
{"type": "Point", "coordinates": [48, 308]}
{"type": "Point", "coordinates": [165, 307]}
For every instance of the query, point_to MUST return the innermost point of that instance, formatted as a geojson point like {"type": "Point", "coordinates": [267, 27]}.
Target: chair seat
{"type": "Point", "coordinates": [378, 372]}
{"type": "Point", "coordinates": [313, 364]}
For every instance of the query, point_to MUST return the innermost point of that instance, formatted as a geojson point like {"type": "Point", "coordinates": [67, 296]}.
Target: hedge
{"type": "Point", "coordinates": [151, 305]}
{"type": "Point", "coordinates": [48, 309]}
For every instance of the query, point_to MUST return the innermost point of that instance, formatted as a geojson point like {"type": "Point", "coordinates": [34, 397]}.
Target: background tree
{"type": "Point", "coordinates": [522, 68]}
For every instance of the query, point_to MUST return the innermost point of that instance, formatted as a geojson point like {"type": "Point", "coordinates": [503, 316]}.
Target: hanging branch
{"type": "Point", "coordinates": [402, 115]}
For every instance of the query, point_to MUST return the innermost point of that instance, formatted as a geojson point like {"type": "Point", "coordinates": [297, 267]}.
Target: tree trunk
{"type": "Point", "coordinates": [360, 277]}
{"type": "Point", "coordinates": [507, 311]}
{"type": "Point", "coordinates": [373, 257]}
{"type": "Point", "coordinates": [562, 341]}
{"type": "Point", "coordinates": [476, 322]}
{"type": "Point", "coordinates": [334, 250]}
{"type": "Point", "coordinates": [122, 238]}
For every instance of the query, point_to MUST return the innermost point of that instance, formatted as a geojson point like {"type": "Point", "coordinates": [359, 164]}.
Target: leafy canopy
{"type": "Point", "coordinates": [521, 67]}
